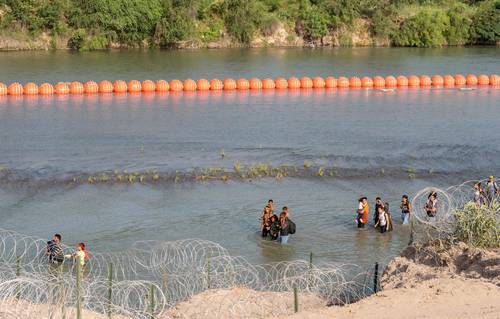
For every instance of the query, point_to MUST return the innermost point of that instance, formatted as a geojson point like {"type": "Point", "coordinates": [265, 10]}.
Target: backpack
{"type": "Point", "coordinates": [291, 227]}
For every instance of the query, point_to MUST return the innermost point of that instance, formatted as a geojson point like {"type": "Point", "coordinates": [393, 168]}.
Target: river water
{"type": "Point", "coordinates": [368, 142]}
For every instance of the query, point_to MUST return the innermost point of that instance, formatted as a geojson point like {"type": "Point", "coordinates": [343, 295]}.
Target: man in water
{"type": "Point", "coordinates": [54, 250]}
{"type": "Point", "coordinates": [378, 203]}
{"type": "Point", "coordinates": [491, 190]}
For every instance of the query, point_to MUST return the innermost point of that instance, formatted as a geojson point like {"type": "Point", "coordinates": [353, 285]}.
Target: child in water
{"type": "Point", "coordinates": [81, 255]}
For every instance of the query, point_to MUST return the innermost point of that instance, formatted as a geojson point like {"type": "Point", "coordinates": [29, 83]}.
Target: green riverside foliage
{"type": "Point", "coordinates": [478, 226]}
{"type": "Point", "coordinates": [101, 24]}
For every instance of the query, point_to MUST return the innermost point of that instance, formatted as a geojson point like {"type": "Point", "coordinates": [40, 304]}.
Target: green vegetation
{"type": "Point", "coordinates": [478, 226]}
{"type": "Point", "coordinates": [102, 24]}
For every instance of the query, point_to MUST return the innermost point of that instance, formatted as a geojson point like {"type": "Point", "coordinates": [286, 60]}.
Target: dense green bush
{"type": "Point", "coordinates": [98, 24]}
{"type": "Point", "coordinates": [426, 29]}
{"type": "Point", "coordinates": [486, 23]}
{"type": "Point", "coordinates": [478, 226]}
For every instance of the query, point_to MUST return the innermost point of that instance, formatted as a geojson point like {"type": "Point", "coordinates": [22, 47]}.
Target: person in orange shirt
{"type": "Point", "coordinates": [363, 208]}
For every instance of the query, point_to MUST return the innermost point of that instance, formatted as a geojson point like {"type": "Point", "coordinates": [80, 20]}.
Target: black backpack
{"type": "Point", "coordinates": [291, 227]}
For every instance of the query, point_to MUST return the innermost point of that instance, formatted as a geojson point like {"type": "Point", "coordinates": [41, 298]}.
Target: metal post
{"type": "Point", "coordinates": [18, 274]}
{"type": "Point", "coordinates": [375, 279]}
{"type": "Point", "coordinates": [110, 289]}
{"type": "Point", "coordinates": [152, 302]}
{"type": "Point", "coordinates": [78, 288]}
{"type": "Point", "coordinates": [311, 260]}
{"type": "Point", "coordinates": [295, 299]}
{"type": "Point", "coordinates": [209, 279]}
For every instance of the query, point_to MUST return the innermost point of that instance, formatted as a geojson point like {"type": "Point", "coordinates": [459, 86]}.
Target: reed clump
{"type": "Point", "coordinates": [478, 226]}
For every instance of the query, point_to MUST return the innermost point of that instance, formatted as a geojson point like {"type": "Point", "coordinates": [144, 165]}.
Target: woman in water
{"type": "Point", "coordinates": [405, 209]}
{"type": "Point", "coordinates": [266, 215]}
{"type": "Point", "coordinates": [388, 217]}
{"type": "Point", "coordinates": [274, 229]}
{"type": "Point", "coordinates": [430, 205]}
{"type": "Point", "coordinates": [479, 196]}
{"type": "Point", "coordinates": [382, 220]}
{"type": "Point", "coordinates": [284, 228]}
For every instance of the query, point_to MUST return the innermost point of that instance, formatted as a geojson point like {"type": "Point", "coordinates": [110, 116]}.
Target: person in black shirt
{"type": "Point", "coordinates": [54, 250]}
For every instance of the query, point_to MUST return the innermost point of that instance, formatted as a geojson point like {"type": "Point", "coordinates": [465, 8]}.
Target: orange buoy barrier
{"type": "Point", "coordinates": [471, 79]}
{"type": "Point", "coordinates": [306, 83]}
{"type": "Point", "coordinates": [402, 81]}
{"type": "Point", "coordinates": [366, 82]}
{"type": "Point", "coordinates": [105, 86]}
{"type": "Point", "coordinates": [15, 89]}
{"type": "Point", "coordinates": [46, 89]}
{"type": "Point", "coordinates": [176, 85]}
{"type": "Point", "coordinates": [460, 80]}
{"type": "Point", "coordinates": [281, 83]}
{"type": "Point", "coordinates": [293, 83]}
{"type": "Point", "coordinates": [162, 86]}
{"type": "Point", "coordinates": [255, 84]}
{"type": "Point", "coordinates": [437, 80]}
{"type": "Point", "coordinates": [449, 81]}
{"type": "Point", "coordinates": [91, 87]}
{"type": "Point", "coordinates": [216, 84]}
{"type": "Point", "coordinates": [378, 82]}
{"type": "Point", "coordinates": [229, 84]}
{"type": "Point", "coordinates": [120, 86]}
{"type": "Point", "coordinates": [483, 80]}
{"type": "Point", "coordinates": [3, 89]}
{"type": "Point", "coordinates": [494, 80]}
{"type": "Point", "coordinates": [330, 82]}
{"type": "Point", "coordinates": [148, 86]}
{"type": "Point", "coordinates": [242, 84]}
{"type": "Point", "coordinates": [134, 86]}
{"type": "Point", "coordinates": [343, 82]}
{"type": "Point", "coordinates": [318, 82]}
{"type": "Point", "coordinates": [413, 81]}
{"type": "Point", "coordinates": [76, 88]}
{"type": "Point", "coordinates": [391, 82]}
{"type": "Point", "coordinates": [268, 84]}
{"type": "Point", "coordinates": [30, 89]}
{"type": "Point", "coordinates": [425, 80]}
{"type": "Point", "coordinates": [189, 85]}
{"type": "Point", "coordinates": [203, 85]}
{"type": "Point", "coordinates": [354, 82]}
{"type": "Point", "coordinates": [61, 88]}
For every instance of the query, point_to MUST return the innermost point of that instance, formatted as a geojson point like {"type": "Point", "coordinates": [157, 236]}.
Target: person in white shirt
{"type": "Point", "coordinates": [382, 220]}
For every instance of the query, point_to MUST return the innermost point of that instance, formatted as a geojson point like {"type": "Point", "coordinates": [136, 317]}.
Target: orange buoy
{"type": "Point", "coordinates": [30, 89]}
{"type": "Point", "coordinates": [229, 84]}
{"type": "Point", "coordinates": [449, 81]}
{"type": "Point", "coordinates": [255, 84]}
{"type": "Point", "coordinates": [293, 83]}
{"type": "Point", "coordinates": [494, 80]}
{"type": "Point", "coordinates": [437, 80]}
{"type": "Point", "coordinates": [61, 88]}
{"type": "Point", "coordinates": [281, 83]}
{"type": "Point", "coordinates": [3, 89]}
{"type": "Point", "coordinates": [483, 80]}
{"type": "Point", "coordinates": [306, 82]}
{"type": "Point", "coordinates": [425, 80]}
{"type": "Point", "coordinates": [268, 84]}
{"type": "Point", "coordinates": [378, 82]}
{"type": "Point", "coordinates": [366, 82]}
{"type": "Point", "coordinates": [413, 81]}
{"type": "Point", "coordinates": [471, 79]}
{"type": "Point", "coordinates": [76, 88]}
{"type": "Point", "coordinates": [318, 82]}
{"type": "Point", "coordinates": [176, 85]}
{"type": "Point", "coordinates": [120, 86]}
{"type": "Point", "coordinates": [91, 87]}
{"type": "Point", "coordinates": [242, 84]}
{"type": "Point", "coordinates": [148, 86]}
{"type": "Point", "coordinates": [15, 89]}
{"type": "Point", "coordinates": [46, 89]}
{"type": "Point", "coordinates": [342, 82]}
{"type": "Point", "coordinates": [105, 86]}
{"type": "Point", "coordinates": [391, 82]}
{"type": "Point", "coordinates": [460, 80]}
{"type": "Point", "coordinates": [330, 82]}
{"type": "Point", "coordinates": [402, 81]}
{"type": "Point", "coordinates": [216, 84]}
{"type": "Point", "coordinates": [354, 82]}
{"type": "Point", "coordinates": [134, 86]}
{"type": "Point", "coordinates": [162, 86]}
{"type": "Point", "coordinates": [189, 85]}
{"type": "Point", "coordinates": [203, 85]}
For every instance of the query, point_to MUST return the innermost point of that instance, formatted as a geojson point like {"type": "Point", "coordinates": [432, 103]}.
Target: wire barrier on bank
{"type": "Point", "coordinates": [151, 277]}
{"type": "Point", "coordinates": [280, 83]}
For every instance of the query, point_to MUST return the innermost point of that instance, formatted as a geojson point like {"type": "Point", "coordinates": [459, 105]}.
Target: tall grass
{"type": "Point", "coordinates": [478, 226]}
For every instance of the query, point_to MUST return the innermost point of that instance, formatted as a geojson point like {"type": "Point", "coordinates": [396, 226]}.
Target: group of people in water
{"type": "Point", "coordinates": [487, 195]}
{"type": "Point", "coordinates": [274, 227]}
{"type": "Point", "coordinates": [382, 218]}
